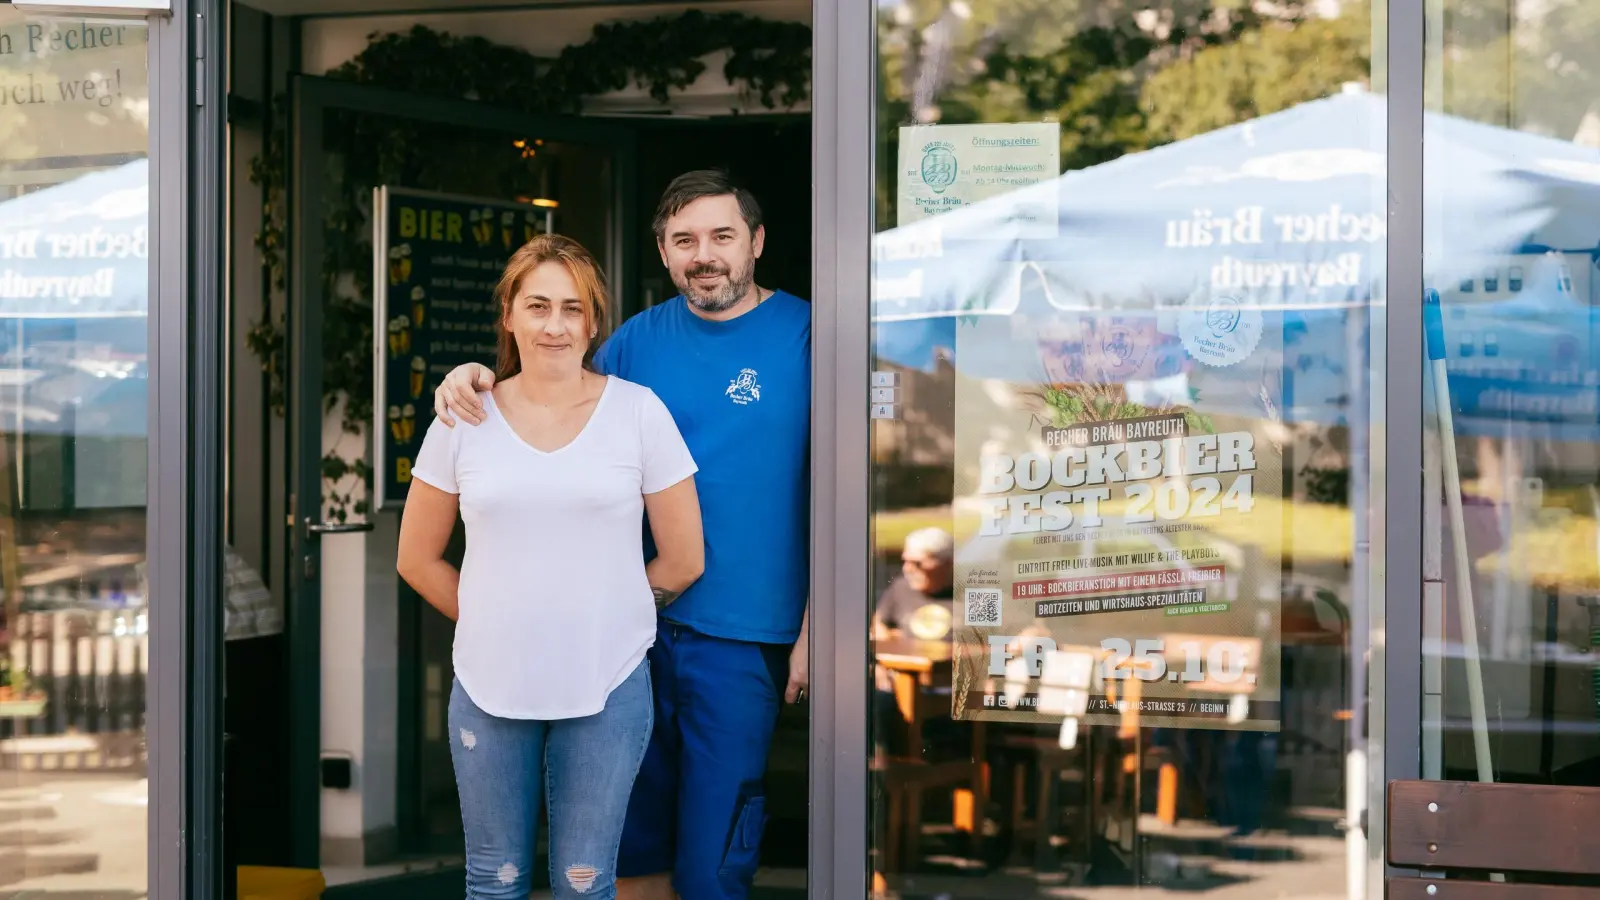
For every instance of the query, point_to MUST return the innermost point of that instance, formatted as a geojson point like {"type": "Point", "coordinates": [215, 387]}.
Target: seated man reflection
{"type": "Point", "coordinates": [918, 603]}
{"type": "Point", "coordinates": [913, 615]}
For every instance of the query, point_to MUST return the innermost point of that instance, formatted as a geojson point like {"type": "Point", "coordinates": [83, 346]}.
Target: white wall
{"type": "Point", "coordinates": [360, 677]}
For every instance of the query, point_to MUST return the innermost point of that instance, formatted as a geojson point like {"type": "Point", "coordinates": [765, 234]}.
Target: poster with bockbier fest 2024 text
{"type": "Point", "coordinates": [1115, 527]}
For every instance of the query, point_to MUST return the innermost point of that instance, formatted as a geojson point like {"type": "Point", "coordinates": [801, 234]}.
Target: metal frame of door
{"type": "Point", "coordinates": [183, 690]}
{"type": "Point", "coordinates": [844, 34]}
{"type": "Point", "coordinates": [311, 98]}
{"type": "Point", "coordinates": [1397, 626]}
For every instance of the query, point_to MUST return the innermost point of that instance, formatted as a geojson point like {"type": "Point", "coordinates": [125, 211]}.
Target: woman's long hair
{"type": "Point", "coordinates": [580, 264]}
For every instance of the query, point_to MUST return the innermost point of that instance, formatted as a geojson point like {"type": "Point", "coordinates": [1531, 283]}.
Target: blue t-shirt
{"type": "Point", "coordinates": [740, 392]}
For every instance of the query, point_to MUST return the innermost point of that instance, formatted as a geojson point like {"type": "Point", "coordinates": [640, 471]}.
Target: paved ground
{"type": "Point", "coordinates": [72, 836]}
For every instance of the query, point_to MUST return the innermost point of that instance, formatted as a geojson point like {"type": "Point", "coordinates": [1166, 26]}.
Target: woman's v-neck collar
{"type": "Point", "coordinates": [599, 404]}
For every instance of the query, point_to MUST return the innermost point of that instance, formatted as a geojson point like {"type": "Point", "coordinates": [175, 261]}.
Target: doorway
{"type": "Point", "coordinates": [360, 677]}
{"type": "Point", "coordinates": [469, 187]}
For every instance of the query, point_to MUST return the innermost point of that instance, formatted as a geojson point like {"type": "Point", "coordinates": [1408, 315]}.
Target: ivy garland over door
{"type": "Point", "coordinates": [770, 62]}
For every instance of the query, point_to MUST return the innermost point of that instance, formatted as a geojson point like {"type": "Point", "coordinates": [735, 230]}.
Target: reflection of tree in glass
{"type": "Point", "coordinates": [1270, 67]}
{"type": "Point", "coordinates": [1119, 76]}
{"type": "Point", "coordinates": [1527, 66]}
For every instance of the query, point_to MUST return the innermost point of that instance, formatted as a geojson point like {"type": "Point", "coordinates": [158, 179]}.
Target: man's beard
{"type": "Point", "coordinates": [721, 299]}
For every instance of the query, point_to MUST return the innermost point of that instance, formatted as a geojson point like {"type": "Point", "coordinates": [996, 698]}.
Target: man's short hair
{"type": "Point", "coordinates": [691, 186]}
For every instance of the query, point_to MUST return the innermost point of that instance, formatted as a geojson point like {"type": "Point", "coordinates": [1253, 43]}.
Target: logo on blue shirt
{"type": "Point", "coordinates": [744, 389]}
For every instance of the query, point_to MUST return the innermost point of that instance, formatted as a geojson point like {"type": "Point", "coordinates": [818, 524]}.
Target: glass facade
{"type": "Point", "coordinates": [1125, 268]}
{"type": "Point", "coordinates": [74, 275]}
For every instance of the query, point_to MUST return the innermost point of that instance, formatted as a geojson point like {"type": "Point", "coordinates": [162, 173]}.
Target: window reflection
{"type": "Point", "coordinates": [1121, 291]}
{"type": "Point", "coordinates": [1513, 381]}
{"type": "Point", "coordinates": [74, 249]}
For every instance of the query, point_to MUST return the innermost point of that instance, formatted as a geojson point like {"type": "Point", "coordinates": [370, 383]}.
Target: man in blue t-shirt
{"type": "Point", "coordinates": [732, 362]}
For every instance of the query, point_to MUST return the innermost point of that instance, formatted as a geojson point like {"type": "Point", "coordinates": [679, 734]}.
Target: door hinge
{"type": "Point", "coordinates": [199, 59]}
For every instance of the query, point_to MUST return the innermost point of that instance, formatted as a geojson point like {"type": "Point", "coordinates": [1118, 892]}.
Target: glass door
{"type": "Point", "coordinates": [405, 211]}
{"type": "Point", "coordinates": [1124, 276]}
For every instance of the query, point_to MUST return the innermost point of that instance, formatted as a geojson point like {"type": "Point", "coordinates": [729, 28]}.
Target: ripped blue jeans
{"type": "Point", "coordinates": [585, 769]}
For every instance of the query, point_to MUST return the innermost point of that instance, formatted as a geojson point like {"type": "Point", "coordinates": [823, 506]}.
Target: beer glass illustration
{"type": "Point", "coordinates": [395, 429]}
{"type": "Point", "coordinates": [419, 371]}
{"type": "Point", "coordinates": [484, 229]}
{"type": "Point", "coordinates": [394, 265]}
{"type": "Point", "coordinates": [405, 263]}
{"type": "Point", "coordinates": [399, 335]}
{"type": "Point", "coordinates": [417, 297]}
{"type": "Point", "coordinates": [408, 422]}
{"type": "Point", "coordinates": [508, 224]}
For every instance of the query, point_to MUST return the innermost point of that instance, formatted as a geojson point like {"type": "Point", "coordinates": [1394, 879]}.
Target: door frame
{"type": "Point", "coordinates": [844, 81]}
{"type": "Point", "coordinates": [183, 481]}
{"type": "Point", "coordinates": [1400, 672]}
{"type": "Point", "coordinates": [311, 97]}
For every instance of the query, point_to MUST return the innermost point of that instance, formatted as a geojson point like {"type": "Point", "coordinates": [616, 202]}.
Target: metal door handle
{"type": "Point", "coordinates": [337, 527]}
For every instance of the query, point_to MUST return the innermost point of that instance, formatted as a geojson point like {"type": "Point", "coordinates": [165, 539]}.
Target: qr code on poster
{"type": "Point", "coordinates": [983, 606]}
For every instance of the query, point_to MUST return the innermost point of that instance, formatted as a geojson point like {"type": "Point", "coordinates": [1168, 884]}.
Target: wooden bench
{"type": "Point", "coordinates": [1535, 836]}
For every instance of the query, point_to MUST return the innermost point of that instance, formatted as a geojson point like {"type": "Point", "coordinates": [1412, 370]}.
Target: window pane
{"type": "Point", "coordinates": [1125, 267]}
{"type": "Point", "coordinates": [1512, 200]}
{"type": "Point", "coordinates": [74, 249]}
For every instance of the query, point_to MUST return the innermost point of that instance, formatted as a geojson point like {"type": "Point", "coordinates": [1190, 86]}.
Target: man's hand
{"type": "Point", "coordinates": [799, 670]}
{"type": "Point", "coordinates": [458, 394]}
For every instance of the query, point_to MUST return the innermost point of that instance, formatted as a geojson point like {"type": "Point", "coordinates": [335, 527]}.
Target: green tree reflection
{"type": "Point", "coordinates": [1121, 77]}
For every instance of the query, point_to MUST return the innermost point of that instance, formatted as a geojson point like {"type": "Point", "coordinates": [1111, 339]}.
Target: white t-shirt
{"type": "Point", "coordinates": [555, 608]}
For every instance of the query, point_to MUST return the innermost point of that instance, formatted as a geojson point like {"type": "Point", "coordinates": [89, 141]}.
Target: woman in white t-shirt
{"type": "Point", "coordinates": [554, 603]}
